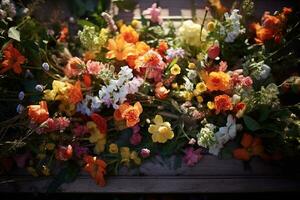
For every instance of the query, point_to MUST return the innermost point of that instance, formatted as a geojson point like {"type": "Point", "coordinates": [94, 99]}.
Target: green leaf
{"type": "Point", "coordinates": [66, 175]}
{"type": "Point", "coordinates": [83, 23]}
{"type": "Point", "coordinates": [13, 33]}
{"type": "Point", "coordinates": [251, 124]}
{"type": "Point", "coordinates": [264, 113]}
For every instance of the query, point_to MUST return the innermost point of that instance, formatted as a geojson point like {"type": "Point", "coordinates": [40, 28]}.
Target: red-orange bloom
{"type": "Point", "coordinates": [251, 146]}
{"type": "Point", "coordinates": [96, 168]}
{"type": "Point", "coordinates": [38, 113]}
{"type": "Point", "coordinates": [12, 59]}
{"type": "Point", "coordinates": [100, 122]}
{"type": "Point", "coordinates": [222, 103]}
{"type": "Point", "coordinates": [162, 47]}
{"type": "Point", "coordinates": [131, 114]}
{"type": "Point", "coordinates": [64, 153]}
{"type": "Point", "coordinates": [64, 32]}
{"type": "Point", "coordinates": [74, 93]}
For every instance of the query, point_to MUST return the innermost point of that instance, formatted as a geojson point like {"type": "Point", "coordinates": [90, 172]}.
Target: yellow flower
{"type": "Point", "coordinates": [175, 85]}
{"type": "Point", "coordinates": [68, 108]}
{"type": "Point", "coordinates": [199, 99]}
{"type": "Point", "coordinates": [187, 95]}
{"type": "Point", "coordinates": [100, 145]}
{"type": "Point", "coordinates": [58, 92]}
{"type": "Point", "coordinates": [113, 148]}
{"type": "Point", "coordinates": [191, 66]}
{"type": "Point", "coordinates": [161, 131]}
{"type": "Point", "coordinates": [175, 70]}
{"type": "Point", "coordinates": [210, 26]}
{"type": "Point", "coordinates": [135, 23]}
{"type": "Point", "coordinates": [135, 158]}
{"type": "Point", "coordinates": [120, 23]}
{"type": "Point", "coordinates": [96, 137]}
{"type": "Point", "coordinates": [125, 154]}
{"type": "Point", "coordinates": [210, 105]}
{"type": "Point", "coordinates": [200, 87]}
{"type": "Point", "coordinates": [201, 56]}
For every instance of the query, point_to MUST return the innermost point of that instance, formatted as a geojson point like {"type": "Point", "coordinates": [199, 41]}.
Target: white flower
{"type": "Point", "coordinates": [188, 85]}
{"type": "Point", "coordinates": [232, 28]}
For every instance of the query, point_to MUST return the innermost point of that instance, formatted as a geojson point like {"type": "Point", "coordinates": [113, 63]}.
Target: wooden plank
{"type": "Point", "coordinates": [166, 184]}
{"type": "Point", "coordinates": [210, 175]}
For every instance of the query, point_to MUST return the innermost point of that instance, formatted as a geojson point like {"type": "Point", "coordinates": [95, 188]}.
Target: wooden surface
{"type": "Point", "coordinates": [210, 175]}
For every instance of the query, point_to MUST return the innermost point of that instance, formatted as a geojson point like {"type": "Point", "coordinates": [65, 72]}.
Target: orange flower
{"type": "Point", "coordinates": [222, 103]}
{"type": "Point", "coordinates": [140, 49]}
{"type": "Point", "coordinates": [64, 32]}
{"type": "Point", "coordinates": [129, 34]}
{"type": "Point", "coordinates": [119, 49]}
{"type": "Point", "coordinates": [262, 34]}
{"type": "Point", "coordinates": [252, 146]}
{"type": "Point", "coordinates": [129, 113]}
{"type": "Point", "coordinates": [73, 67]}
{"type": "Point", "coordinates": [12, 59]}
{"type": "Point", "coordinates": [162, 47]}
{"type": "Point", "coordinates": [38, 113]}
{"type": "Point", "coordinates": [96, 168]}
{"type": "Point", "coordinates": [217, 81]}
{"type": "Point", "coordinates": [74, 93]}
{"type": "Point", "coordinates": [161, 91]}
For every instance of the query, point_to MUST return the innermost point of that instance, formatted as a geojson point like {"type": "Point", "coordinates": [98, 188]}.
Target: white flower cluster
{"type": "Point", "coordinates": [214, 141]}
{"type": "Point", "coordinates": [113, 94]}
{"type": "Point", "coordinates": [223, 135]}
{"type": "Point", "coordinates": [206, 136]}
{"type": "Point", "coordinates": [116, 91]}
{"type": "Point", "coordinates": [189, 33]}
{"type": "Point", "coordinates": [233, 28]}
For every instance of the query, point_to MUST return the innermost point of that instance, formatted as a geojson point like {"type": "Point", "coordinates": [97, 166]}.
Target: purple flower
{"type": "Point", "coordinates": [21, 159]}
{"type": "Point", "coordinates": [21, 95]}
{"type": "Point", "coordinates": [175, 53]}
{"type": "Point", "coordinates": [39, 88]}
{"type": "Point", "coordinates": [79, 151]}
{"type": "Point", "coordinates": [45, 66]}
{"type": "Point", "coordinates": [192, 156]}
{"type": "Point", "coordinates": [145, 153]}
{"type": "Point", "coordinates": [135, 139]}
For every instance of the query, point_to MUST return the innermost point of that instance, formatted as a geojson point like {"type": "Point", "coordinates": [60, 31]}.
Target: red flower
{"type": "Point", "coordinates": [213, 51]}
{"type": "Point", "coordinates": [38, 113]}
{"type": "Point", "coordinates": [64, 153]}
{"type": "Point", "coordinates": [101, 122]}
{"type": "Point", "coordinates": [12, 59]}
{"type": "Point", "coordinates": [96, 168]}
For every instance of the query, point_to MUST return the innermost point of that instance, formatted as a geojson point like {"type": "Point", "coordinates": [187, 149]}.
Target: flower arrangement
{"type": "Point", "coordinates": [143, 89]}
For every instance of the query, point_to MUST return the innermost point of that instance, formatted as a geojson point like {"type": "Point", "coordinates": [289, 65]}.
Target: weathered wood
{"type": "Point", "coordinates": [209, 175]}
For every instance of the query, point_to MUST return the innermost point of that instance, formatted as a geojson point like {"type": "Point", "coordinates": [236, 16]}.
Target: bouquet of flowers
{"type": "Point", "coordinates": [134, 91]}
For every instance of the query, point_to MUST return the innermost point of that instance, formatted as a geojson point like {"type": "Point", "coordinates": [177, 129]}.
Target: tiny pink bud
{"type": "Point", "coordinates": [145, 153]}
{"type": "Point", "coordinates": [192, 141]}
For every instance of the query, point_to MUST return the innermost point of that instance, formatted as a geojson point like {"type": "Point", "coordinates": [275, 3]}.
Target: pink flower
{"type": "Point", "coordinates": [94, 67]}
{"type": "Point", "coordinates": [213, 51]}
{"type": "Point", "coordinates": [192, 141]}
{"type": "Point", "coordinates": [247, 81]}
{"type": "Point", "coordinates": [135, 139]}
{"type": "Point", "coordinates": [145, 153]}
{"type": "Point", "coordinates": [62, 123]}
{"type": "Point", "coordinates": [192, 156]}
{"type": "Point", "coordinates": [223, 66]}
{"type": "Point", "coordinates": [73, 67]}
{"type": "Point", "coordinates": [154, 13]}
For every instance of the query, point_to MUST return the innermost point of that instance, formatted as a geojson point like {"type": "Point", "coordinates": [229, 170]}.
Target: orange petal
{"type": "Point", "coordinates": [139, 107]}
{"type": "Point", "coordinates": [241, 154]}
{"type": "Point", "coordinates": [247, 140]}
